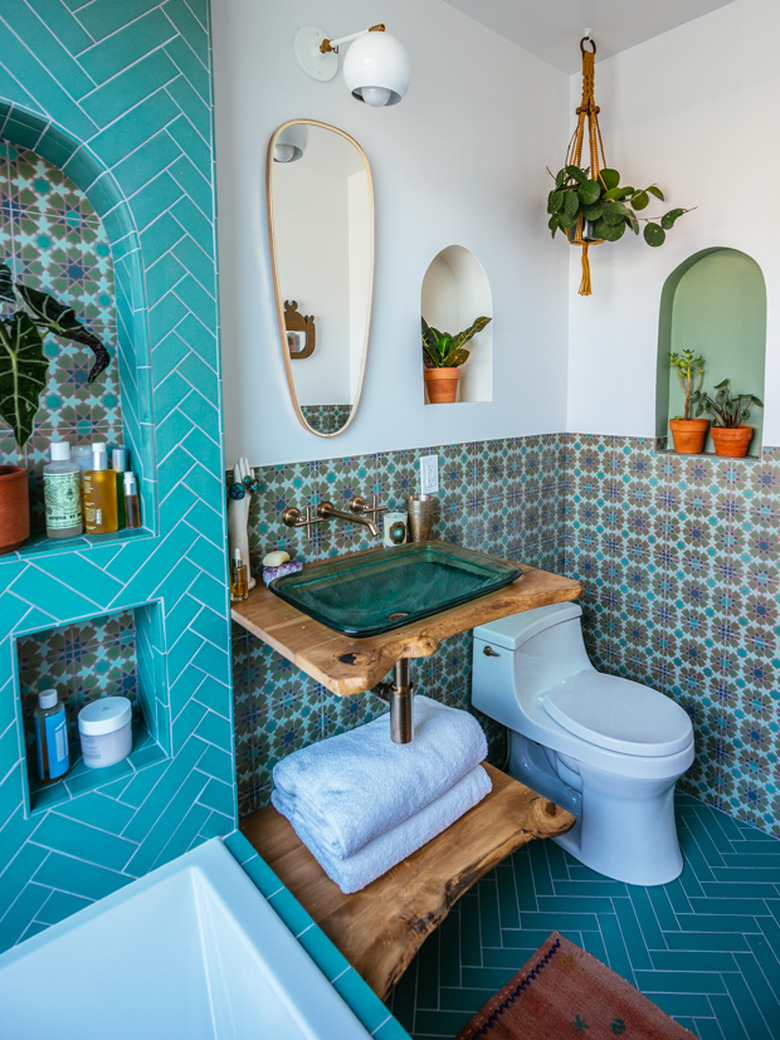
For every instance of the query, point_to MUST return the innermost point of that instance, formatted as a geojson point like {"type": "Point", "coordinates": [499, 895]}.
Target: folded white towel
{"type": "Point", "coordinates": [345, 790]}
{"type": "Point", "coordinates": [378, 856]}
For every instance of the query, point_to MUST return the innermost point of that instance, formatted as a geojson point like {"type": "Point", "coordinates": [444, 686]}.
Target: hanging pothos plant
{"type": "Point", "coordinates": [23, 364]}
{"type": "Point", "coordinates": [588, 201]}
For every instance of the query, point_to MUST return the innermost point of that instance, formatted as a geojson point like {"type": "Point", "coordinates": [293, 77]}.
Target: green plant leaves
{"type": "Point", "coordinates": [443, 350]}
{"type": "Point", "coordinates": [23, 371]}
{"type": "Point", "coordinates": [654, 234]}
{"type": "Point", "coordinates": [589, 192]}
{"type": "Point", "coordinates": [7, 285]}
{"type": "Point", "coordinates": [609, 178]}
{"type": "Point", "coordinates": [62, 321]}
{"type": "Point", "coordinates": [668, 219]}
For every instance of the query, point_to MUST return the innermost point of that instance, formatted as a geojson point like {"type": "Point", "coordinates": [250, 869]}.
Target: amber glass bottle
{"type": "Point", "coordinates": [100, 494]}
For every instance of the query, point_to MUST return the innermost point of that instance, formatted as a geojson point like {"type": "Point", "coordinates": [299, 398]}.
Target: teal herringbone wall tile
{"type": "Point", "coordinates": [115, 94]}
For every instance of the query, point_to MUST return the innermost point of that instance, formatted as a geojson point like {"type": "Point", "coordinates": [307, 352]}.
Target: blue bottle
{"type": "Point", "coordinates": [51, 736]}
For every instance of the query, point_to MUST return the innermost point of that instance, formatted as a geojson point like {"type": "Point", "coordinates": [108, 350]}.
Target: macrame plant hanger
{"type": "Point", "coordinates": [587, 113]}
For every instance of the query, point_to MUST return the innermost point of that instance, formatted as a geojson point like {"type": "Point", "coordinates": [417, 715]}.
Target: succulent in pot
{"type": "Point", "coordinates": [730, 433]}
{"type": "Point", "coordinates": [688, 432]}
{"type": "Point", "coordinates": [443, 354]}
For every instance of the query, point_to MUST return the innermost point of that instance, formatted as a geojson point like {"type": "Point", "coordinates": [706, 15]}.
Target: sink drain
{"type": "Point", "coordinates": [398, 615]}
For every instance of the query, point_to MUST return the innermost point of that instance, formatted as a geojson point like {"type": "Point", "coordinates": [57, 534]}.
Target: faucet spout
{"type": "Point", "coordinates": [327, 509]}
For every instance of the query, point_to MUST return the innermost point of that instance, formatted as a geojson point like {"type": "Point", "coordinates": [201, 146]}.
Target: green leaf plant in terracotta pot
{"type": "Point", "coordinates": [730, 434]}
{"type": "Point", "coordinates": [443, 354]}
{"type": "Point", "coordinates": [26, 315]}
{"type": "Point", "coordinates": [688, 432]}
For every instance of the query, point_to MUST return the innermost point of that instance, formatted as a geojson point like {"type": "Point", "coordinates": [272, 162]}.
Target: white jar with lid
{"type": "Point", "coordinates": [105, 731]}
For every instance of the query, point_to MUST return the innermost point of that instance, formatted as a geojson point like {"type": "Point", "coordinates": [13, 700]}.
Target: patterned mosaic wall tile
{"type": "Point", "coordinates": [513, 507]}
{"type": "Point", "coordinates": [52, 239]}
{"type": "Point", "coordinates": [679, 557]}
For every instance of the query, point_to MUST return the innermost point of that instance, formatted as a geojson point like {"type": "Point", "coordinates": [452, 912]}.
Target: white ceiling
{"type": "Point", "coordinates": [552, 29]}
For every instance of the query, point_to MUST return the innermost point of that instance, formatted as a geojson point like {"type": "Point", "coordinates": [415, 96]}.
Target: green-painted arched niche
{"type": "Point", "coordinates": [714, 303]}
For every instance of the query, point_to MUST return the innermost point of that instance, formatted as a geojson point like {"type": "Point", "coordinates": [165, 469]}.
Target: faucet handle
{"type": "Point", "coordinates": [360, 506]}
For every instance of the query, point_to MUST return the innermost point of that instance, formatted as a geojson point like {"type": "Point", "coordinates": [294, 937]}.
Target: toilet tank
{"type": "Point", "coordinates": [544, 646]}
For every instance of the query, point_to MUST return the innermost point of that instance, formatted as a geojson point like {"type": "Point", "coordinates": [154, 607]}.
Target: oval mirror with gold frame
{"type": "Point", "coordinates": [320, 203]}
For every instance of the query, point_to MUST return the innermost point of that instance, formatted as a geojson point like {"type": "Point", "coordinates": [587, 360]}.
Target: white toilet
{"type": "Point", "coordinates": [607, 749]}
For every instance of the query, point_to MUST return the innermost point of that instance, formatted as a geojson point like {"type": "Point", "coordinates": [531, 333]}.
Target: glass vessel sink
{"type": "Point", "coordinates": [384, 589]}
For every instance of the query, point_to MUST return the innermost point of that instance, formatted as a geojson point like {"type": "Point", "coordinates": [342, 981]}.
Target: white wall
{"type": "Point", "coordinates": [696, 111]}
{"type": "Point", "coordinates": [461, 161]}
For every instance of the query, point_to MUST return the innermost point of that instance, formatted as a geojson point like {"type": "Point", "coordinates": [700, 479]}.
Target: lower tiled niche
{"type": "Point", "coordinates": [111, 655]}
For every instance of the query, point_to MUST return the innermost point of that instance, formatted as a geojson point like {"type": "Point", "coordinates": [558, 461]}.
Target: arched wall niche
{"type": "Point", "coordinates": [456, 291]}
{"type": "Point", "coordinates": [26, 129]}
{"type": "Point", "coordinates": [715, 304]}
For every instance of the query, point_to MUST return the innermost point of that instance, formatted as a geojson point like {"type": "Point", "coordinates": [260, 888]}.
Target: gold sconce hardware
{"type": "Point", "coordinates": [330, 45]}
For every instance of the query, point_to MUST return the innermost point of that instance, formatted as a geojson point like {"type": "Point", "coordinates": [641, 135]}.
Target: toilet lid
{"type": "Point", "coordinates": [619, 714]}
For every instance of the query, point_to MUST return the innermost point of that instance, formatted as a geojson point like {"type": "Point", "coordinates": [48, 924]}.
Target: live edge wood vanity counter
{"type": "Point", "coordinates": [380, 928]}
{"type": "Point", "coordinates": [347, 665]}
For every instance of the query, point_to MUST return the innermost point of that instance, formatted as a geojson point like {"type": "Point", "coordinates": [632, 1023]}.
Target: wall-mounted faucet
{"type": "Point", "coordinates": [293, 517]}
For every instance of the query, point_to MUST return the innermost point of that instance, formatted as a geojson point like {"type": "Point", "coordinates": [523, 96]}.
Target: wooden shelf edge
{"type": "Point", "coordinates": [380, 928]}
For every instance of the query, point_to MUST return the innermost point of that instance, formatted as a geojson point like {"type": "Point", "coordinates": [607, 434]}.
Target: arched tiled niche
{"type": "Point", "coordinates": [27, 131]}
{"type": "Point", "coordinates": [715, 304]}
{"type": "Point", "coordinates": [455, 291]}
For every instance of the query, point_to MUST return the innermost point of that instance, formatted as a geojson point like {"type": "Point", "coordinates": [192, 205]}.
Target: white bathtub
{"type": "Point", "coordinates": [191, 951]}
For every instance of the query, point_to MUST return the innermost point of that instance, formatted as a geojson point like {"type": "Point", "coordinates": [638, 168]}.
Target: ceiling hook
{"type": "Point", "coordinates": [587, 39]}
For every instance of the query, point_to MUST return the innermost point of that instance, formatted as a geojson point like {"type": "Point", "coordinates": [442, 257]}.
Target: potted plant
{"type": "Point", "coordinates": [443, 354]}
{"type": "Point", "coordinates": [24, 318]}
{"type": "Point", "coordinates": [598, 209]}
{"type": "Point", "coordinates": [729, 433]}
{"type": "Point", "coordinates": [688, 433]}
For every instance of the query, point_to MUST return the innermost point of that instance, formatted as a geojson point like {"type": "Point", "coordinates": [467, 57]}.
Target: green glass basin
{"type": "Point", "coordinates": [384, 589]}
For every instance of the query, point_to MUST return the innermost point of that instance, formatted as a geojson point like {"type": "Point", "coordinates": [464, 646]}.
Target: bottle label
{"type": "Point", "coordinates": [51, 733]}
{"type": "Point", "coordinates": [62, 498]}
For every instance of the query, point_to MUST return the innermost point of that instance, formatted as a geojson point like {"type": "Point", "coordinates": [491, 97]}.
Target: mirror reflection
{"type": "Point", "coordinates": [321, 228]}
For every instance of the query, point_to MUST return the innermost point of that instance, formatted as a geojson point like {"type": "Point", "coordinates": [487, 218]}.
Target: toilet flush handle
{"type": "Point", "coordinates": [488, 651]}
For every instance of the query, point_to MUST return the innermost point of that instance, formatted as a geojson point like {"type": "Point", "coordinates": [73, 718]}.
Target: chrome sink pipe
{"type": "Point", "coordinates": [327, 509]}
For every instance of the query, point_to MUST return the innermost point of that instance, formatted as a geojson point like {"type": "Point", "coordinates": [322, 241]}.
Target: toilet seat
{"type": "Point", "coordinates": [619, 714]}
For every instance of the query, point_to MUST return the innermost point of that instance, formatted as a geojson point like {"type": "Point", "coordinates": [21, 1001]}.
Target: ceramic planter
{"type": "Point", "coordinates": [689, 435]}
{"type": "Point", "coordinates": [731, 442]}
{"type": "Point", "coordinates": [14, 507]}
{"type": "Point", "coordinates": [441, 384]}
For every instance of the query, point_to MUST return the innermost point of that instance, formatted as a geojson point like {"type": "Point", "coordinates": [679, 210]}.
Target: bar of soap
{"type": "Point", "coordinates": [276, 559]}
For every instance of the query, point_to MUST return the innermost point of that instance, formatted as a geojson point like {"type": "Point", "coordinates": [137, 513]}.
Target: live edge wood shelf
{"type": "Point", "coordinates": [347, 665]}
{"type": "Point", "coordinates": [380, 928]}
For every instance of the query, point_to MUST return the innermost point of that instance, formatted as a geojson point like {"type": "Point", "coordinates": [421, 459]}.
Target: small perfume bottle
{"type": "Point", "coordinates": [239, 580]}
{"type": "Point", "coordinates": [119, 465]}
{"type": "Point", "coordinates": [131, 500]}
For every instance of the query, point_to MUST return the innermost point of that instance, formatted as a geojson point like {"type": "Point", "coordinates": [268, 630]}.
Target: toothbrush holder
{"type": "Point", "coordinates": [420, 510]}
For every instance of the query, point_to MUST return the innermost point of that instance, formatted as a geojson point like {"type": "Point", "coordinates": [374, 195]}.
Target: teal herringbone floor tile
{"type": "Point", "coordinates": [705, 948]}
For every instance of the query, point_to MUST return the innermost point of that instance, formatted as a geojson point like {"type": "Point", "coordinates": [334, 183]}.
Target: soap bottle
{"type": "Point", "coordinates": [131, 500]}
{"type": "Point", "coordinates": [51, 736]}
{"type": "Point", "coordinates": [62, 493]}
{"type": "Point", "coordinates": [239, 581]}
{"type": "Point", "coordinates": [119, 465]}
{"type": "Point", "coordinates": [99, 494]}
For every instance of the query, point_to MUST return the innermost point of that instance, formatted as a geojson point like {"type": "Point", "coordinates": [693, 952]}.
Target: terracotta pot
{"type": "Point", "coordinates": [14, 507]}
{"type": "Point", "coordinates": [731, 442]}
{"type": "Point", "coordinates": [441, 384]}
{"type": "Point", "coordinates": [689, 435]}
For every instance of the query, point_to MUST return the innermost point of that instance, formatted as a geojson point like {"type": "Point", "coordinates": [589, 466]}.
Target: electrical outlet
{"type": "Point", "coordinates": [429, 474]}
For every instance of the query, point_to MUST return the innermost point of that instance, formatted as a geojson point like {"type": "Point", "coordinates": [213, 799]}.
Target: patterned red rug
{"type": "Point", "coordinates": [562, 993]}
